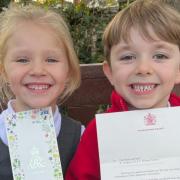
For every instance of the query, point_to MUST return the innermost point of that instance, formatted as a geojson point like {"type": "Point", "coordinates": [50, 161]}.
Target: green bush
{"type": "Point", "coordinates": [86, 27]}
{"type": "Point", "coordinates": [4, 3]}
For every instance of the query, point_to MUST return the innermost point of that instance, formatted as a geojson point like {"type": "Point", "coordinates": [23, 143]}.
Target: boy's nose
{"type": "Point", "coordinates": [144, 67]}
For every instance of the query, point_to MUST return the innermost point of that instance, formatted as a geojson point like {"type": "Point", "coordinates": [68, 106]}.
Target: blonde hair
{"type": "Point", "coordinates": [17, 14]}
{"type": "Point", "coordinates": [162, 18]}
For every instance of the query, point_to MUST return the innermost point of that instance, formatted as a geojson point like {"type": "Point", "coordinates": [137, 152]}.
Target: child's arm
{"type": "Point", "coordinates": [85, 164]}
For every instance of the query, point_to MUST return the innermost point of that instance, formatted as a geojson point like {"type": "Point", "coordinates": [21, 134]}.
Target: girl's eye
{"type": "Point", "coordinates": [22, 60]}
{"type": "Point", "coordinates": [51, 60]}
{"type": "Point", "coordinates": [160, 57]}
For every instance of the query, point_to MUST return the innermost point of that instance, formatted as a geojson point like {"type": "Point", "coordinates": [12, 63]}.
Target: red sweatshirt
{"type": "Point", "coordinates": [85, 164]}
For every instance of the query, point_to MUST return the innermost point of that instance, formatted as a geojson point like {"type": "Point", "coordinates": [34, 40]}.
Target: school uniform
{"type": "Point", "coordinates": [85, 164]}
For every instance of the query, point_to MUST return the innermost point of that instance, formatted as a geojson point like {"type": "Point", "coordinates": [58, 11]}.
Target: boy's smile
{"type": "Point", "coordinates": [143, 88]}
{"type": "Point", "coordinates": [36, 66]}
{"type": "Point", "coordinates": [144, 71]}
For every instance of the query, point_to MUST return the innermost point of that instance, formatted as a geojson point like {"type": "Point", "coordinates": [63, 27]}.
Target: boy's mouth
{"type": "Point", "coordinates": [143, 88]}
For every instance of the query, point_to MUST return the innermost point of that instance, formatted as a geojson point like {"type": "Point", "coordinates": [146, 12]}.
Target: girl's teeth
{"type": "Point", "coordinates": [143, 88]}
{"type": "Point", "coordinates": [38, 87]}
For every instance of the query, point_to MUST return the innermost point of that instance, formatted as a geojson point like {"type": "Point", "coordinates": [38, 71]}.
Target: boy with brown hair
{"type": "Point", "coordinates": [142, 52]}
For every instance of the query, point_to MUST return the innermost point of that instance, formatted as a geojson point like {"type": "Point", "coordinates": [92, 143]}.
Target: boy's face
{"type": "Point", "coordinates": [144, 71]}
{"type": "Point", "coordinates": [36, 66]}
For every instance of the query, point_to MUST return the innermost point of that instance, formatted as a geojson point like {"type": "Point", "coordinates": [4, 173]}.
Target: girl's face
{"type": "Point", "coordinates": [144, 71]}
{"type": "Point", "coordinates": [36, 66]}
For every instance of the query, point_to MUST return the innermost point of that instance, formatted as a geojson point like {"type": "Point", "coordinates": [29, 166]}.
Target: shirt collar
{"type": "Point", "coordinates": [9, 110]}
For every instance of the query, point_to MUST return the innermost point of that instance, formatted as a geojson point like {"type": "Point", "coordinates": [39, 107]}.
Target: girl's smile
{"type": "Point", "coordinates": [38, 88]}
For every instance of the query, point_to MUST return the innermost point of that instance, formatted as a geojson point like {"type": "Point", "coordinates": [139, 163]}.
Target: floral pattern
{"type": "Point", "coordinates": [43, 119]}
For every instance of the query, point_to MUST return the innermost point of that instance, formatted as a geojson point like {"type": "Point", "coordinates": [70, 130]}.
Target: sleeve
{"type": "Point", "coordinates": [85, 164]}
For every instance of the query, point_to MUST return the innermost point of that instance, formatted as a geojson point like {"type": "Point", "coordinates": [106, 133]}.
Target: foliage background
{"type": "Point", "coordinates": [86, 27]}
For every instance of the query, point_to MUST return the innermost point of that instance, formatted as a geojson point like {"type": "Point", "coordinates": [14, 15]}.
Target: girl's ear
{"type": "Point", "coordinates": [108, 72]}
{"type": "Point", "coordinates": [1, 68]}
{"type": "Point", "coordinates": [2, 72]}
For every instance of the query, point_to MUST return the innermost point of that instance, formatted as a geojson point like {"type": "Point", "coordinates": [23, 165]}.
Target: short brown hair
{"type": "Point", "coordinates": [164, 20]}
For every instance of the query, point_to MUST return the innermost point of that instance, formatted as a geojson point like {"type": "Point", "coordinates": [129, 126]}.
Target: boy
{"type": "Point", "coordinates": [142, 51]}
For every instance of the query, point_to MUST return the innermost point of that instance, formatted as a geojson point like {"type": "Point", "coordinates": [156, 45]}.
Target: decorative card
{"type": "Point", "coordinates": [33, 145]}
{"type": "Point", "coordinates": [140, 145]}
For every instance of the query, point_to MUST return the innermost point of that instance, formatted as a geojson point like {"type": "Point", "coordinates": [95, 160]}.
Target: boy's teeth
{"type": "Point", "coordinates": [143, 88]}
{"type": "Point", "coordinates": [38, 87]}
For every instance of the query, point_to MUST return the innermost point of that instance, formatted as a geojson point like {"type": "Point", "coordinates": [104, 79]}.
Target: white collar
{"type": "Point", "coordinates": [9, 110]}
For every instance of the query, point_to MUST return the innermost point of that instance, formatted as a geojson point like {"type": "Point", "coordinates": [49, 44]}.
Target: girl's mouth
{"type": "Point", "coordinates": [38, 86]}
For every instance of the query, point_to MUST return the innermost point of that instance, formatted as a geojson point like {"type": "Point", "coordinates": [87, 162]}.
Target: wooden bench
{"type": "Point", "coordinates": [95, 90]}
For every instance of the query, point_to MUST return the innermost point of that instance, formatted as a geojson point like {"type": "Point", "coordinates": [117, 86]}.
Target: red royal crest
{"type": "Point", "coordinates": [149, 119]}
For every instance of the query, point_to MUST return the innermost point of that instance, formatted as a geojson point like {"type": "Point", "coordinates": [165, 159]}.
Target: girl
{"type": "Point", "coordinates": [38, 65]}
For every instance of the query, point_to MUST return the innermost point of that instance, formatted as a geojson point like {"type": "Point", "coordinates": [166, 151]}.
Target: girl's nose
{"type": "Point", "coordinates": [37, 68]}
{"type": "Point", "coordinates": [144, 67]}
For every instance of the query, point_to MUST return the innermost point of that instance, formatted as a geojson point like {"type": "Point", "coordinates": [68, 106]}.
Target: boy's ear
{"type": "Point", "coordinates": [108, 71]}
{"type": "Point", "coordinates": [178, 77]}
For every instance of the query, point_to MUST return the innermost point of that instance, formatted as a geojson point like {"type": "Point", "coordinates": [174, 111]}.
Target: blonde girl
{"type": "Point", "coordinates": [38, 66]}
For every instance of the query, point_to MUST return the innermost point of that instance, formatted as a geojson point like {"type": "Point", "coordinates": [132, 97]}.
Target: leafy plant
{"type": "Point", "coordinates": [4, 3]}
{"type": "Point", "coordinates": [86, 27]}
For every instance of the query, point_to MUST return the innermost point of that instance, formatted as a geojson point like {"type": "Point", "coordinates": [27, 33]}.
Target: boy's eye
{"type": "Point", "coordinates": [160, 56]}
{"type": "Point", "coordinates": [22, 60]}
{"type": "Point", "coordinates": [51, 60]}
{"type": "Point", "coordinates": [127, 58]}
